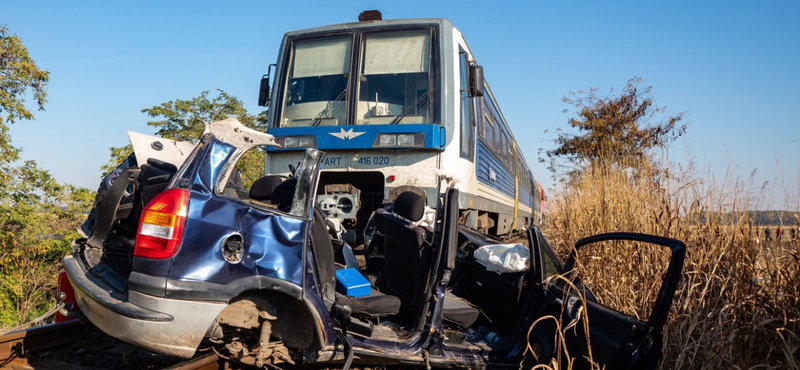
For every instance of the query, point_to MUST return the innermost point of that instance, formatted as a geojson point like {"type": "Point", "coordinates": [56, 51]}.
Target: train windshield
{"type": "Point", "coordinates": [394, 83]}
{"type": "Point", "coordinates": [316, 94]}
{"type": "Point", "coordinates": [395, 79]}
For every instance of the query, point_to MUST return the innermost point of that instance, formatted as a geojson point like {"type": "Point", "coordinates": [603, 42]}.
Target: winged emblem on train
{"type": "Point", "coordinates": [349, 134]}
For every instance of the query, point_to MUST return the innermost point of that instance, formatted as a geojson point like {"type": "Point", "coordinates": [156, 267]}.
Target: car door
{"type": "Point", "coordinates": [235, 240]}
{"type": "Point", "coordinates": [614, 339]}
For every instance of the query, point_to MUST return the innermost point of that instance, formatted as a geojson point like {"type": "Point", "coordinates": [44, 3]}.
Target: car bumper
{"type": "Point", "coordinates": [169, 326]}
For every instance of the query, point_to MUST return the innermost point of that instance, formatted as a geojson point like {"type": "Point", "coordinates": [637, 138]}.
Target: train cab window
{"type": "Point", "coordinates": [483, 123]}
{"type": "Point", "coordinates": [395, 80]}
{"type": "Point", "coordinates": [316, 91]}
{"type": "Point", "coordinates": [467, 118]}
{"type": "Point", "coordinates": [479, 119]}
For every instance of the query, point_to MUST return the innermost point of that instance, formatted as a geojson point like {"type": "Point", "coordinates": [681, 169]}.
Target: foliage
{"type": "Point", "coordinates": [118, 154]}
{"type": "Point", "coordinates": [8, 153]}
{"type": "Point", "coordinates": [38, 216]}
{"type": "Point", "coordinates": [184, 120]}
{"type": "Point", "coordinates": [38, 219]}
{"type": "Point", "coordinates": [18, 72]}
{"type": "Point", "coordinates": [615, 128]}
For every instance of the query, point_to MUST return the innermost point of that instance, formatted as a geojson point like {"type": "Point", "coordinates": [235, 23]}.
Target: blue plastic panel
{"type": "Point", "coordinates": [351, 283]}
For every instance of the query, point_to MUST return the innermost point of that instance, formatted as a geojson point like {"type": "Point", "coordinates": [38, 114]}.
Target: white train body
{"type": "Point", "coordinates": [398, 105]}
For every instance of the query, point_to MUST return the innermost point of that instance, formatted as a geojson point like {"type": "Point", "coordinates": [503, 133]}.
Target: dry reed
{"type": "Point", "coordinates": [737, 305]}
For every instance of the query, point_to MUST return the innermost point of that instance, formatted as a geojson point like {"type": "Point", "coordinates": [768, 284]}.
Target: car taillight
{"type": "Point", "coordinates": [161, 225]}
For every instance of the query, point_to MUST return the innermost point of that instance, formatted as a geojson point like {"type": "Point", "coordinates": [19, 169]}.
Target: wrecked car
{"type": "Point", "coordinates": [180, 255]}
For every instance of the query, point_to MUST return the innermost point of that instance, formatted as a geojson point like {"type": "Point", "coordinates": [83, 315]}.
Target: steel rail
{"type": "Point", "coordinates": [17, 347]}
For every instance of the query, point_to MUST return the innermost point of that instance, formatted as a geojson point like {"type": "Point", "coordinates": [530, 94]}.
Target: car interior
{"type": "Point", "coordinates": [398, 260]}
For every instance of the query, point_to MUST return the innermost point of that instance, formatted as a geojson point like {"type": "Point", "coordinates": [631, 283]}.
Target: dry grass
{"type": "Point", "coordinates": [737, 306]}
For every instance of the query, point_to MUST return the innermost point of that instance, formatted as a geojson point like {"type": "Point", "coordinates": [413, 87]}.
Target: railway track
{"type": "Point", "coordinates": [79, 345]}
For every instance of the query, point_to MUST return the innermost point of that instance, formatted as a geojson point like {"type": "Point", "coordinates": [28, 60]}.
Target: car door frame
{"type": "Point", "coordinates": [639, 346]}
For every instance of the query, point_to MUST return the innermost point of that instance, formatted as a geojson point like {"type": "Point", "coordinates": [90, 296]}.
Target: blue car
{"type": "Point", "coordinates": [184, 252]}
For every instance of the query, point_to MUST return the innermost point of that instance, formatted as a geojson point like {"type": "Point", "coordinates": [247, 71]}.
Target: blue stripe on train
{"type": "Point", "coordinates": [524, 196]}
{"type": "Point", "coordinates": [493, 173]}
{"type": "Point", "coordinates": [362, 136]}
{"type": "Point", "coordinates": [487, 164]}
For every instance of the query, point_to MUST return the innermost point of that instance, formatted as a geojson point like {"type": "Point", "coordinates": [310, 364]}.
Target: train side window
{"type": "Point", "coordinates": [506, 159]}
{"type": "Point", "coordinates": [494, 138]}
{"type": "Point", "coordinates": [498, 141]}
{"type": "Point", "coordinates": [501, 144]}
{"type": "Point", "coordinates": [467, 135]}
{"type": "Point", "coordinates": [489, 126]}
{"type": "Point", "coordinates": [510, 151]}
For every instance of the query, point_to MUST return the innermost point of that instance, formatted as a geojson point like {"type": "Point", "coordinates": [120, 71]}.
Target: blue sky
{"type": "Point", "coordinates": [732, 66]}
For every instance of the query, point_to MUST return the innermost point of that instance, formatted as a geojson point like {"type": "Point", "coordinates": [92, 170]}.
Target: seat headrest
{"type": "Point", "coordinates": [263, 188]}
{"type": "Point", "coordinates": [162, 165]}
{"type": "Point", "coordinates": [283, 194]}
{"type": "Point", "coordinates": [410, 205]}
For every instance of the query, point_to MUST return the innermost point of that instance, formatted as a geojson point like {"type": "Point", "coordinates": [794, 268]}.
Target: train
{"type": "Point", "coordinates": [397, 105]}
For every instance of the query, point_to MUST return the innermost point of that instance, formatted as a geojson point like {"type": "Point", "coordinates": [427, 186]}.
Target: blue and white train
{"type": "Point", "coordinates": [397, 105]}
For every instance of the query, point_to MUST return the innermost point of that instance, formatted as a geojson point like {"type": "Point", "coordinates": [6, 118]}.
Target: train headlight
{"type": "Point", "coordinates": [387, 140]}
{"type": "Point", "coordinates": [305, 141]}
{"type": "Point", "coordinates": [405, 140]}
{"type": "Point", "coordinates": [400, 140]}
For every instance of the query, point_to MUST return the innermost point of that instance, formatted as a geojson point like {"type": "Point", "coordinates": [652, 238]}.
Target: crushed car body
{"type": "Point", "coordinates": [182, 256]}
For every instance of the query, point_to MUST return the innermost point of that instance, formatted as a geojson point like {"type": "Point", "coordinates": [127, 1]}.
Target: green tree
{"type": "Point", "coordinates": [118, 154]}
{"type": "Point", "coordinates": [38, 216]}
{"type": "Point", "coordinates": [614, 129]}
{"type": "Point", "coordinates": [38, 220]}
{"type": "Point", "coordinates": [18, 74]}
{"type": "Point", "coordinates": [184, 120]}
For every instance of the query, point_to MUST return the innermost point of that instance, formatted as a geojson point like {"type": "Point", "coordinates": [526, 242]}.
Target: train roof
{"type": "Point", "coordinates": [442, 22]}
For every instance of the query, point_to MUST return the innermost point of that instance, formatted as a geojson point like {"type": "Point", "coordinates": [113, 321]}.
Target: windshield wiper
{"type": "Point", "coordinates": [328, 108]}
{"type": "Point", "coordinates": [424, 98]}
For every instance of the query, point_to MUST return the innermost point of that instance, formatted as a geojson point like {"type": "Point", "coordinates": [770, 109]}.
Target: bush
{"type": "Point", "coordinates": [38, 220]}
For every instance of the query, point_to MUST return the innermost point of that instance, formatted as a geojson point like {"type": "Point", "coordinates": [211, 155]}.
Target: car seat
{"type": "Point", "coordinates": [408, 259]}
